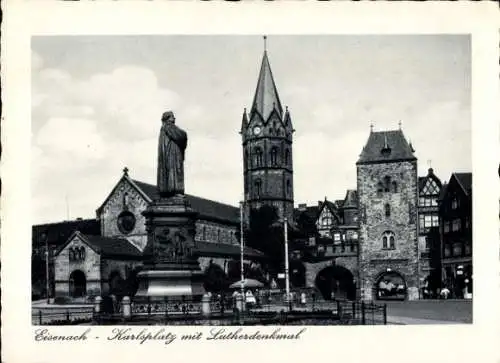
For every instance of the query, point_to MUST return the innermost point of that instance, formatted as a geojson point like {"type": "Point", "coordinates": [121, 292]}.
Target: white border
{"type": "Point", "coordinates": [343, 344]}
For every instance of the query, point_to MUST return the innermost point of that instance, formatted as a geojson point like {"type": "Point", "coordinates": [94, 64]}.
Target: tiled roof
{"type": "Point", "coordinates": [108, 246]}
{"type": "Point", "coordinates": [351, 199]}
{"type": "Point", "coordinates": [465, 180]}
{"type": "Point", "coordinates": [266, 95]}
{"type": "Point", "coordinates": [59, 232]}
{"type": "Point", "coordinates": [222, 249]}
{"type": "Point", "coordinates": [206, 208]}
{"type": "Point", "coordinates": [378, 141]}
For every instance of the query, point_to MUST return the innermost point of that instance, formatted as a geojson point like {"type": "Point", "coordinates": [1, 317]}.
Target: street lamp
{"type": "Point", "coordinates": [287, 275]}
{"type": "Point", "coordinates": [242, 271]}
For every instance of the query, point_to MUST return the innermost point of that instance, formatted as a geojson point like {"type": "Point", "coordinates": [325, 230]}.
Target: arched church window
{"type": "Point", "coordinates": [246, 158]}
{"type": "Point", "coordinates": [287, 157]}
{"type": "Point", "coordinates": [258, 157]}
{"type": "Point", "coordinates": [274, 156]}
{"type": "Point", "coordinates": [394, 187]}
{"type": "Point", "coordinates": [258, 188]}
{"type": "Point", "coordinates": [204, 233]}
{"type": "Point", "coordinates": [288, 187]}
{"type": "Point", "coordinates": [388, 240]}
{"type": "Point", "coordinates": [387, 208]}
{"type": "Point", "coordinates": [71, 254]}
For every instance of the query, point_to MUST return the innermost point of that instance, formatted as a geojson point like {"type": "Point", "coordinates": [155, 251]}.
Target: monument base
{"type": "Point", "coordinates": [161, 283]}
{"type": "Point", "coordinates": [170, 269]}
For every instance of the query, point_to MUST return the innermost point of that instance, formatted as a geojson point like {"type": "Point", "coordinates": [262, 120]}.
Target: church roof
{"type": "Point", "coordinates": [207, 209]}
{"type": "Point", "coordinates": [386, 146]}
{"type": "Point", "coordinates": [59, 232]}
{"type": "Point", "coordinates": [266, 94]}
{"type": "Point", "coordinates": [106, 246]}
{"type": "Point", "coordinates": [222, 249]}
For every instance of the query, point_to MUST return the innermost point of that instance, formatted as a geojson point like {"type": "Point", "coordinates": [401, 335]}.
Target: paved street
{"type": "Point", "coordinates": [429, 312]}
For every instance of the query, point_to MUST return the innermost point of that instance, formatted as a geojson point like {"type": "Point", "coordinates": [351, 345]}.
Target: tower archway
{"type": "Point", "coordinates": [336, 282]}
{"type": "Point", "coordinates": [390, 285]}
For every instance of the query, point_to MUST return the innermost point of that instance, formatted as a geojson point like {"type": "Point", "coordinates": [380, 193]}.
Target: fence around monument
{"type": "Point", "coordinates": [222, 310]}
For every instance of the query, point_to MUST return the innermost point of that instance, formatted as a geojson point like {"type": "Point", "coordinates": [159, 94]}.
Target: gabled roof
{"type": "Point", "coordinates": [422, 180]}
{"type": "Point", "coordinates": [266, 94]}
{"type": "Point", "coordinates": [351, 199]}
{"type": "Point", "coordinates": [206, 208]}
{"type": "Point", "coordinates": [127, 179]}
{"type": "Point", "coordinates": [59, 232]}
{"type": "Point", "coordinates": [106, 246]}
{"type": "Point", "coordinates": [465, 181]}
{"type": "Point", "coordinates": [386, 146]}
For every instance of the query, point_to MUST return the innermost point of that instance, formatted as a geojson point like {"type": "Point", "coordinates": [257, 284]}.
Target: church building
{"type": "Point", "coordinates": [267, 135]}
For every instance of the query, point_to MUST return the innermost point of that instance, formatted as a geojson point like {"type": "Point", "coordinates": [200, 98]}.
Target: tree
{"type": "Point", "coordinates": [215, 279]}
{"type": "Point", "coordinates": [266, 235]}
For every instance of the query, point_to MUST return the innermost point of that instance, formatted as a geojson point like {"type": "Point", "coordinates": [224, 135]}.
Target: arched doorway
{"type": "Point", "coordinates": [77, 284]}
{"type": "Point", "coordinates": [336, 282]}
{"type": "Point", "coordinates": [390, 285]}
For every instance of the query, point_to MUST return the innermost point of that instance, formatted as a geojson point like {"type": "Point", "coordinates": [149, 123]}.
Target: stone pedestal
{"type": "Point", "coordinates": [169, 266]}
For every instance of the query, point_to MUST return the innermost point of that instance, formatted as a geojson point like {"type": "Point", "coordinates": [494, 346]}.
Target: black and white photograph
{"type": "Point", "coordinates": [251, 180]}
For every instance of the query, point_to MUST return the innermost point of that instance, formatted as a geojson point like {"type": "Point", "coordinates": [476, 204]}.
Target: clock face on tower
{"type": "Point", "coordinates": [256, 130]}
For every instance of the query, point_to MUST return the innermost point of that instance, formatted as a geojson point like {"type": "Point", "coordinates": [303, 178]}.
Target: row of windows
{"type": "Point", "coordinates": [257, 188]}
{"type": "Point", "coordinates": [257, 159]}
{"type": "Point", "coordinates": [456, 225]}
{"type": "Point", "coordinates": [208, 234]}
{"type": "Point", "coordinates": [457, 250]}
{"type": "Point", "coordinates": [387, 186]}
{"type": "Point", "coordinates": [77, 253]}
{"type": "Point", "coordinates": [428, 202]}
{"type": "Point", "coordinates": [428, 221]}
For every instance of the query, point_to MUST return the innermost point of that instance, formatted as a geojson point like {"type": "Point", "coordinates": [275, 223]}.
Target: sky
{"type": "Point", "coordinates": [97, 103]}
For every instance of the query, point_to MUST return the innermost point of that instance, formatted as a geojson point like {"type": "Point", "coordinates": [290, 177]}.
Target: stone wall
{"type": "Point", "coordinates": [373, 258]}
{"type": "Point", "coordinates": [90, 266]}
{"type": "Point", "coordinates": [135, 203]}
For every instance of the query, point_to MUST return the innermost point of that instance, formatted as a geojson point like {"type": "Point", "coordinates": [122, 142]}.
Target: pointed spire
{"type": "Point", "coordinates": [371, 127]}
{"type": "Point", "coordinates": [266, 97]}
{"type": "Point", "coordinates": [244, 120]}
{"type": "Point", "coordinates": [400, 124]}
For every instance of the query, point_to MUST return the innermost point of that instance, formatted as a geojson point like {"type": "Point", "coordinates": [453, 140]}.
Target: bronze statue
{"type": "Point", "coordinates": [171, 149]}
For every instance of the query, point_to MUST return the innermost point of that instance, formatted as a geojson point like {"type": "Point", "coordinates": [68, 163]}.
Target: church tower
{"type": "Point", "coordinates": [388, 257]}
{"type": "Point", "coordinates": [267, 148]}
